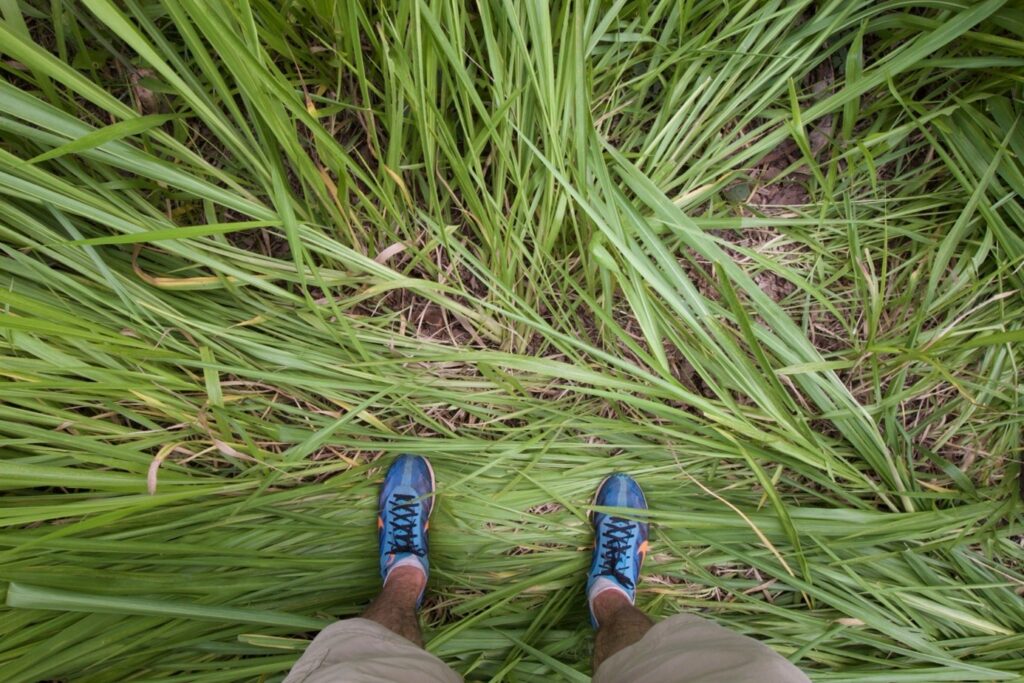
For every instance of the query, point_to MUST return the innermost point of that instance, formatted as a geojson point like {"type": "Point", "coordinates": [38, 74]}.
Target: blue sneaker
{"type": "Point", "coordinates": [620, 544]}
{"type": "Point", "coordinates": [406, 501]}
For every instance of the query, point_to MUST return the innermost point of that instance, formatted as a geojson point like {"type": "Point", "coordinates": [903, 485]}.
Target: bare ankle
{"type": "Point", "coordinates": [395, 606]}
{"type": "Point", "coordinates": [607, 603]}
{"type": "Point", "coordinates": [405, 582]}
{"type": "Point", "coordinates": [620, 624]}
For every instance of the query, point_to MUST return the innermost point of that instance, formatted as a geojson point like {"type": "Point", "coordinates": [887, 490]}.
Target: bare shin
{"type": "Point", "coordinates": [620, 624]}
{"type": "Point", "coordinates": [395, 606]}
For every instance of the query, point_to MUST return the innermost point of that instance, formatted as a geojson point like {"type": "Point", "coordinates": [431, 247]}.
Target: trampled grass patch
{"type": "Point", "coordinates": [765, 256]}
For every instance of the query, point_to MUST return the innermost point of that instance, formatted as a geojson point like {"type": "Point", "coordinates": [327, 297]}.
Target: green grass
{"type": "Point", "coordinates": [765, 256]}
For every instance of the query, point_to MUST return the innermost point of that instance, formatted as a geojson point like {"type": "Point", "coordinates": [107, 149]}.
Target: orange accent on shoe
{"type": "Point", "coordinates": [643, 550]}
{"type": "Point", "coordinates": [380, 523]}
{"type": "Point", "coordinates": [426, 525]}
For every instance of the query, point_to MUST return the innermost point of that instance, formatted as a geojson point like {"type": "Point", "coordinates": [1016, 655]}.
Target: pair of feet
{"type": "Point", "coordinates": [407, 499]}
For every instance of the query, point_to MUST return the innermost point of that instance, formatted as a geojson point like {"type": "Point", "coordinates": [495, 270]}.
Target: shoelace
{"type": "Point", "coordinates": [403, 522]}
{"type": "Point", "coordinates": [619, 537]}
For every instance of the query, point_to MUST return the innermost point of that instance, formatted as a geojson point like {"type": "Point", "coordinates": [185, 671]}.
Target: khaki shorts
{"type": "Point", "coordinates": [681, 649]}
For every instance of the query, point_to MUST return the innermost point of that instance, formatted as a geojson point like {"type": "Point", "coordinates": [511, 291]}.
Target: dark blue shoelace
{"type": "Point", "coordinates": [619, 536]}
{"type": "Point", "coordinates": [403, 520]}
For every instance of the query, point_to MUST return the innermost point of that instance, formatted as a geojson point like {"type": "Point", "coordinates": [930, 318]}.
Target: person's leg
{"type": "Point", "coordinates": [620, 545]}
{"type": "Point", "coordinates": [620, 624]}
{"type": "Point", "coordinates": [686, 648]}
{"type": "Point", "coordinates": [629, 647]}
{"type": "Point", "coordinates": [395, 605]}
{"type": "Point", "coordinates": [385, 642]}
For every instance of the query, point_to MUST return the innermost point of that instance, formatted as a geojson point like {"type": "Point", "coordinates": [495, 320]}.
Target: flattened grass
{"type": "Point", "coordinates": [764, 256]}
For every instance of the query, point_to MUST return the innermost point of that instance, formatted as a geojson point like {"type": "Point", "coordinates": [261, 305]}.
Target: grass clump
{"type": "Point", "coordinates": [764, 256]}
